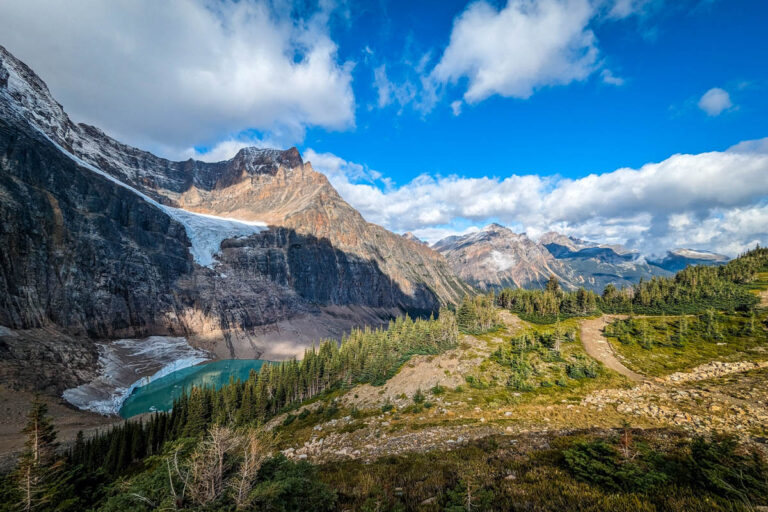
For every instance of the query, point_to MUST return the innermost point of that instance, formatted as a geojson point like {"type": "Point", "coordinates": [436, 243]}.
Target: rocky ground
{"type": "Point", "coordinates": [701, 400]}
{"type": "Point", "coordinates": [369, 422]}
{"type": "Point", "coordinates": [714, 397]}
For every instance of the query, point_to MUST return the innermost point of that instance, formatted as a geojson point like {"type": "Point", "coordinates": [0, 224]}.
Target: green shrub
{"type": "Point", "coordinates": [718, 467]}
{"type": "Point", "coordinates": [581, 367]}
{"type": "Point", "coordinates": [287, 486]}
{"type": "Point", "coordinates": [599, 463]}
{"type": "Point", "coordinates": [437, 389]}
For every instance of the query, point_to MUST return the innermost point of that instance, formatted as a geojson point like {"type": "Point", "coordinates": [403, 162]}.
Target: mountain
{"type": "Point", "coordinates": [256, 256]}
{"type": "Point", "coordinates": [496, 257]}
{"type": "Point", "coordinates": [678, 259]}
{"type": "Point", "coordinates": [563, 246]}
{"type": "Point", "coordinates": [413, 238]}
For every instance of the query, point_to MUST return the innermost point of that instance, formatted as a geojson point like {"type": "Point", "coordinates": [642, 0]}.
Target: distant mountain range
{"type": "Point", "coordinates": [496, 257]}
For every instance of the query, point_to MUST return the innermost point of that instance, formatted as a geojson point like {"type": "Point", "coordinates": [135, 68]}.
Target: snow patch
{"type": "Point", "coordinates": [698, 254]}
{"type": "Point", "coordinates": [129, 363]}
{"type": "Point", "coordinates": [502, 261]}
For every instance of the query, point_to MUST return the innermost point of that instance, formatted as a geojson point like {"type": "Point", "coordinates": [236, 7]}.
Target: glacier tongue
{"type": "Point", "coordinates": [206, 232]}
{"type": "Point", "coordinates": [129, 363]}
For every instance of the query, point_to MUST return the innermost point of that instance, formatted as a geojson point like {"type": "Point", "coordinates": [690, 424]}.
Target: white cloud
{"type": "Point", "coordinates": [522, 47]}
{"type": "Point", "coordinates": [432, 235]}
{"type": "Point", "coordinates": [623, 8]}
{"type": "Point", "coordinates": [388, 91]}
{"type": "Point", "coordinates": [225, 149]}
{"type": "Point", "coordinates": [174, 74]}
{"type": "Point", "coordinates": [456, 107]}
{"type": "Point", "coordinates": [609, 78]}
{"type": "Point", "coordinates": [716, 201]}
{"type": "Point", "coordinates": [715, 101]}
{"type": "Point", "coordinates": [383, 86]}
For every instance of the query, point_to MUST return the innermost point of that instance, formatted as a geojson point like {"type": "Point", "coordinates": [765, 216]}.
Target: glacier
{"type": "Point", "coordinates": [205, 232]}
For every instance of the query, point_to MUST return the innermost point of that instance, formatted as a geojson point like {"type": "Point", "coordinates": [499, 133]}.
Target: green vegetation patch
{"type": "Point", "coordinates": [626, 470]}
{"type": "Point", "coordinates": [662, 345]}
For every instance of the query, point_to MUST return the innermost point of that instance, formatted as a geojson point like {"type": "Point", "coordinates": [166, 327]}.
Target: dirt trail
{"type": "Point", "coordinates": [764, 298]}
{"type": "Point", "coordinates": [598, 347]}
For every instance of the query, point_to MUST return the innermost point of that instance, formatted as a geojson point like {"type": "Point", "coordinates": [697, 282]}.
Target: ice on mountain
{"type": "Point", "coordinates": [206, 232]}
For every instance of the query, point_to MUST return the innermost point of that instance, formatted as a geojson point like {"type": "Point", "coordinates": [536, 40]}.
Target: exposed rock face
{"type": "Point", "coordinates": [95, 241]}
{"type": "Point", "coordinates": [594, 266]}
{"type": "Point", "coordinates": [496, 257]}
{"type": "Point", "coordinates": [45, 360]}
{"type": "Point", "coordinates": [410, 236]}
{"type": "Point", "coordinates": [79, 251]}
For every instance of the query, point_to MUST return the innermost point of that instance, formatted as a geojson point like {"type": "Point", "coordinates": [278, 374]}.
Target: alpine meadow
{"type": "Point", "coordinates": [376, 256]}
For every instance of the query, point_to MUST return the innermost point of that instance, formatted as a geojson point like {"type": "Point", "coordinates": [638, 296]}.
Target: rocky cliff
{"type": "Point", "coordinates": [256, 256]}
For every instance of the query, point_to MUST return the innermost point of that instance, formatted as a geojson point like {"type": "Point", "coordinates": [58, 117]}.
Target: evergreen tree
{"type": "Point", "coordinates": [553, 285]}
{"type": "Point", "coordinates": [38, 465]}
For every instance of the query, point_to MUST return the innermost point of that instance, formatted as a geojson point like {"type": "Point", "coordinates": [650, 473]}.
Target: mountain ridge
{"type": "Point", "coordinates": [496, 257]}
{"type": "Point", "coordinates": [289, 260]}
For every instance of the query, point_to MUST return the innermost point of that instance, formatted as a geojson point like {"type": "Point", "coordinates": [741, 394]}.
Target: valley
{"type": "Point", "coordinates": [235, 335]}
{"type": "Point", "coordinates": [497, 406]}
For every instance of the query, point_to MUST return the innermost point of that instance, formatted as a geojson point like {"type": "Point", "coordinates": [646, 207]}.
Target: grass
{"type": "Point", "coordinates": [759, 284]}
{"type": "Point", "coordinates": [551, 399]}
{"type": "Point", "coordinates": [543, 370]}
{"type": "Point", "coordinates": [661, 355]}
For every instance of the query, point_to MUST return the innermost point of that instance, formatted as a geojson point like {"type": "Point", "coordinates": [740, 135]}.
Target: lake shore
{"type": "Point", "coordinates": [129, 363]}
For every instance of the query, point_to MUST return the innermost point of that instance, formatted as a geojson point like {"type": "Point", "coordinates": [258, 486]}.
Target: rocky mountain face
{"type": "Point", "coordinates": [594, 265]}
{"type": "Point", "coordinates": [410, 236]}
{"type": "Point", "coordinates": [256, 256]}
{"type": "Point", "coordinates": [496, 257]}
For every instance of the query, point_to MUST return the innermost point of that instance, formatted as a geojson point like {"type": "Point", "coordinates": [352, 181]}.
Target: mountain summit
{"type": "Point", "coordinates": [496, 257]}
{"type": "Point", "coordinates": [256, 256]}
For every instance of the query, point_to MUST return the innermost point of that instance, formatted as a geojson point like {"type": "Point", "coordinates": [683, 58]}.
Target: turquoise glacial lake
{"type": "Point", "coordinates": [159, 394]}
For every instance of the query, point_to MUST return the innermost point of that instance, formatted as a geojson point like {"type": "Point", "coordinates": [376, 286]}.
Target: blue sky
{"type": "Point", "coordinates": [667, 58]}
{"type": "Point", "coordinates": [623, 121]}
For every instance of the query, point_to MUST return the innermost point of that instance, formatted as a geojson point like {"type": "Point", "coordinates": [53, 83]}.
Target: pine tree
{"type": "Point", "coordinates": [38, 465]}
{"type": "Point", "coordinates": [553, 285]}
